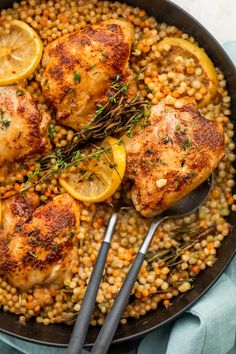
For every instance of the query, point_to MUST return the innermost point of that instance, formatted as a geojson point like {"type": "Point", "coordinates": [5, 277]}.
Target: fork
{"type": "Point", "coordinates": [83, 319]}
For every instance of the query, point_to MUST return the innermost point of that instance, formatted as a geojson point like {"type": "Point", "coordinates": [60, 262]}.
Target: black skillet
{"type": "Point", "coordinates": [58, 335]}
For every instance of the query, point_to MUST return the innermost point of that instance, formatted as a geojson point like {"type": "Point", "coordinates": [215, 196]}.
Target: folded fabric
{"type": "Point", "coordinates": [209, 327]}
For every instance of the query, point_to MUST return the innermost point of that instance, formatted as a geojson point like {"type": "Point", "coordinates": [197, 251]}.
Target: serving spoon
{"type": "Point", "coordinates": [185, 206]}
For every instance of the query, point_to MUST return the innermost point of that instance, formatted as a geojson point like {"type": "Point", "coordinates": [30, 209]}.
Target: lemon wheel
{"type": "Point", "coordinates": [209, 78]}
{"type": "Point", "coordinates": [97, 179]}
{"type": "Point", "coordinates": [20, 52]}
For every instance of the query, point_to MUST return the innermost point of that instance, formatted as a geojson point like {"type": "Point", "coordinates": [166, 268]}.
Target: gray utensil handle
{"type": "Point", "coordinates": [108, 330]}
{"type": "Point", "coordinates": [81, 326]}
{"type": "Point", "coordinates": [82, 322]}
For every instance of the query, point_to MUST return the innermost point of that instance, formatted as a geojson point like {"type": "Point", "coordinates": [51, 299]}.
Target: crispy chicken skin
{"type": "Point", "coordinates": [17, 211]}
{"type": "Point", "coordinates": [22, 125]}
{"type": "Point", "coordinates": [40, 246]}
{"type": "Point", "coordinates": [175, 153]}
{"type": "Point", "coordinates": [81, 66]}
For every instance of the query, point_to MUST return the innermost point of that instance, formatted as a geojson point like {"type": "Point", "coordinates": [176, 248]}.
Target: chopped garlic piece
{"type": "Point", "coordinates": [161, 182]}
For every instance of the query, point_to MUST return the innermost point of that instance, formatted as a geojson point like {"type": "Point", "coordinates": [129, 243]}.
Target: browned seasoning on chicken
{"type": "Point", "coordinates": [80, 67]}
{"type": "Point", "coordinates": [38, 246]}
{"type": "Point", "coordinates": [22, 125]}
{"type": "Point", "coordinates": [169, 158]}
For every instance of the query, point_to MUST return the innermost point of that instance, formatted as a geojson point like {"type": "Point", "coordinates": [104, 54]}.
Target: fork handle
{"type": "Point", "coordinates": [80, 329]}
{"type": "Point", "coordinates": [111, 323]}
{"type": "Point", "coordinates": [112, 320]}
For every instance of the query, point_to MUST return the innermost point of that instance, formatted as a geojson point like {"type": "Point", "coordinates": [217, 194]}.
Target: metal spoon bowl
{"type": "Point", "coordinates": [185, 206]}
{"type": "Point", "coordinates": [192, 201]}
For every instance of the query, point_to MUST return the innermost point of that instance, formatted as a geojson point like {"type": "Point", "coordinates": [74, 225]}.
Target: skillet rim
{"type": "Point", "coordinates": [227, 62]}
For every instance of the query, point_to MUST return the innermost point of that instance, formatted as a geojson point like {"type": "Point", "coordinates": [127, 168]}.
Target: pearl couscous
{"type": "Point", "coordinates": [181, 248]}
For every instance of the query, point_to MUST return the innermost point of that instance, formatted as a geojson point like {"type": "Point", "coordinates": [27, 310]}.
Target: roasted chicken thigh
{"type": "Point", "coordinates": [169, 158]}
{"type": "Point", "coordinates": [38, 246]}
{"type": "Point", "coordinates": [22, 125]}
{"type": "Point", "coordinates": [80, 68]}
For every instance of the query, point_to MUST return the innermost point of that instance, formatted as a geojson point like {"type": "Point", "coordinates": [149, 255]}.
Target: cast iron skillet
{"type": "Point", "coordinates": [58, 335]}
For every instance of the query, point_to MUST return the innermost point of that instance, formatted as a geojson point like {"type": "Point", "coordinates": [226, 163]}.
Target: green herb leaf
{"type": "Point", "coordinates": [59, 162]}
{"type": "Point", "coordinates": [166, 139]}
{"type": "Point", "coordinates": [109, 120]}
{"type": "Point", "coordinates": [116, 86]}
{"type": "Point", "coordinates": [34, 240]}
{"type": "Point", "coordinates": [92, 66]}
{"type": "Point", "coordinates": [33, 254]}
{"type": "Point", "coordinates": [120, 142]}
{"type": "Point", "coordinates": [55, 247]}
{"type": "Point", "coordinates": [85, 128]}
{"type": "Point", "coordinates": [138, 77]}
{"type": "Point", "coordinates": [112, 165]}
{"type": "Point", "coordinates": [100, 109]}
{"type": "Point", "coordinates": [129, 133]}
{"type": "Point", "coordinates": [51, 131]}
{"type": "Point", "coordinates": [78, 154]}
{"type": "Point", "coordinates": [148, 88]}
{"type": "Point", "coordinates": [71, 235]}
{"type": "Point", "coordinates": [77, 76]}
{"type": "Point", "coordinates": [112, 99]}
{"type": "Point", "coordinates": [20, 93]}
{"type": "Point", "coordinates": [177, 127]}
{"type": "Point", "coordinates": [192, 174]}
{"type": "Point", "coordinates": [97, 155]}
{"type": "Point", "coordinates": [186, 144]}
{"type": "Point", "coordinates": [117, 78]}
{"type": "Point", "coordinates": [37, 171]}
{"type": "Point", "coordinates": [5, 123]}
{"type": "Point", "coordinates": [189, 176]}
{"type": "Point", "coordinates": [32, 232]}
{"type": "Point", "coordinates": [176, 184]}
{"type": "Point", "coordinates": [124, 88]}
{"type": "Point", "coordinates": [105, 55]}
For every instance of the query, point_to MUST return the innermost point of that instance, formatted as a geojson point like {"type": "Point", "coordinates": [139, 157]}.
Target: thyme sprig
{"type": "Point", "coordinates": [61, 165]}
{"type": "Point", "coordinates": [120, 114]}
{"type": "Point", "coordinates": [172, 257]}
{"type": "Point", "coordinates": [167, 257]}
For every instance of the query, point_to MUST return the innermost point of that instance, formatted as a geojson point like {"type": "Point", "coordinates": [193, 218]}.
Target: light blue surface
{"type": "Point", "coordinates": [209, 327]}
{"type": "Point", "coordinates": [230, 48]}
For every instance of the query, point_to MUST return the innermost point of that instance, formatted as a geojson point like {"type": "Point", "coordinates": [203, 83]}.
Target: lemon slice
{"type": "Point", "coordinates": [209, 77]}
{"type": "Point", "coordinates": [97, 179]}
{"type": "Point", "coordinates": [20, 52]}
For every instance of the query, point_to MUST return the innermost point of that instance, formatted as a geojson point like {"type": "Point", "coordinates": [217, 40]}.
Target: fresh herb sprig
{"type": "Point", "coordinates": [118, 115]}
{"type": "Point", "coordinates": [173, 255]}
{"type": "Point", "coordinates": [61, 165]}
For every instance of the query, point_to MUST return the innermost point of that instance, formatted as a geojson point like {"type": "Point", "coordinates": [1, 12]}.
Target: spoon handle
{"type": "Point", "coordinates": [80, 329]}
{"type": "Point", "coordinates": [111, 323]}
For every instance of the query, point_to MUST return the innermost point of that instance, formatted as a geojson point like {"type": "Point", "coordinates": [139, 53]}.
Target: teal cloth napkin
{"type": "Point", "coordinates": [209, 327]}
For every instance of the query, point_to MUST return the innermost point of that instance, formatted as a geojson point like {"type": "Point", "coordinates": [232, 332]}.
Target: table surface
{"type": "Point", "coordinates": [218, 16]}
